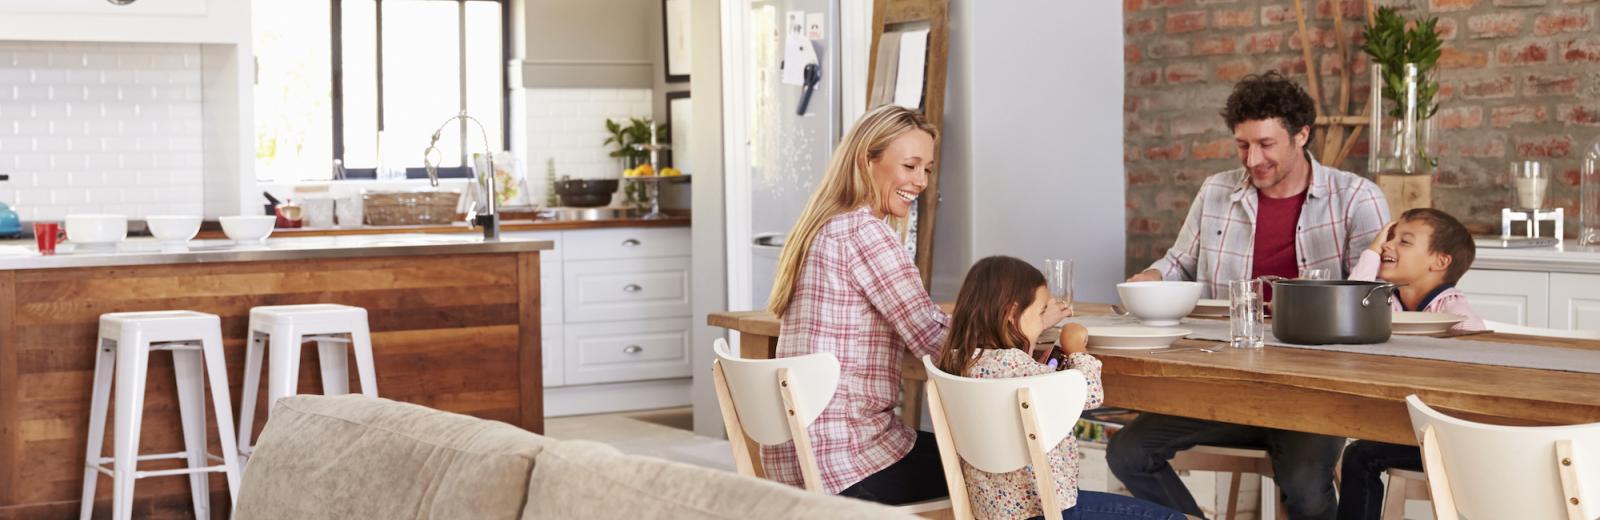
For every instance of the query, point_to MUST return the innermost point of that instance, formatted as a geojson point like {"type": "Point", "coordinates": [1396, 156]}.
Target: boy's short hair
{"type": "Point", "coordinates": [1449, 237]}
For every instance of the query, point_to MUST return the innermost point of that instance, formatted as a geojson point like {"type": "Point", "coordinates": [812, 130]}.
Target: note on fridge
{"type": "Point", "coordinates": [797, 53]}
{"type": "Point", "coordinates": [797, 50]}
{"type": "Point", "coordinates": [913, 66]}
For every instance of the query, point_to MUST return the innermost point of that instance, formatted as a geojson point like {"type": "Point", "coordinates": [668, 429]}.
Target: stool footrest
{"type": "Point", "coordinates": [104, 465]}
{"type": "Point", "coordinates": [326, 338]}
{"type": "Point", "coordinates": [175, 345]}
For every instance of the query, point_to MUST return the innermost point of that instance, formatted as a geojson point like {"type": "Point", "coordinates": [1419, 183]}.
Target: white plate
{"type": "Point", "coordinates": [1410, 322]}
{"type": "Point", "coordinates": [1210, 308]}
{"type": "Point", "coordinates": [1130, 338]}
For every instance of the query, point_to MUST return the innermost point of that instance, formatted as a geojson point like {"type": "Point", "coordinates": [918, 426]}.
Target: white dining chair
{"type": "Point", "coordinates": [773, 401]}
{"type": "Point", "coordinates": [1477, 470]}
{"type": "Point", "coordinates": [1001, 425]}
{"type": "Point", "coordinates": [1512, 328]}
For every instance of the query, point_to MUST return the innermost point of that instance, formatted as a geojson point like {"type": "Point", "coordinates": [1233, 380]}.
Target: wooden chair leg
{"type": "Point", "coordinates": [1233, 495]}
{"type": "Point", "coordinates": [1394, 498]}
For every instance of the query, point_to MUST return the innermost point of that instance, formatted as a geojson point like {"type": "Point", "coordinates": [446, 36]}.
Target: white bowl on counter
{"type": "Point", "coordinates": [1159, 304]}
{"type": "Point", "coordinates": [248, 229]}
{"type": "Point", "coordinates": [96, 230]}
{"type": "Point", "coordinates": [173, 228]}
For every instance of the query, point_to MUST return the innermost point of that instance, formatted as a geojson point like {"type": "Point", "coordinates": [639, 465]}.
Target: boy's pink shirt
{"type": "Point", "coordinates": [1451, 301]}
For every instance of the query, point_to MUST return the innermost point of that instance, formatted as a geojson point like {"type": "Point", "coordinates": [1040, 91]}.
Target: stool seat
{"type": "Point", "coordinates": [278, 331]}
{"type": "Point", "coordinates": [126, 340]}
{"type": "Point", "coordinates": [156, 326]}
{"type": "Point", "coordinates": [312, 318]}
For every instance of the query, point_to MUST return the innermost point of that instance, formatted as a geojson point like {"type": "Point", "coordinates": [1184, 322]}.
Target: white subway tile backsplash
{"type": "Point", "coordinates": [569, 126]}
{"type": "Point", "coordinates": [89, 127]}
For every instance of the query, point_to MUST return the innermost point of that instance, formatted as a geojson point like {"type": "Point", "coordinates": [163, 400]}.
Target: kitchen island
{"type": "Point", "coordinates": [455, 326]}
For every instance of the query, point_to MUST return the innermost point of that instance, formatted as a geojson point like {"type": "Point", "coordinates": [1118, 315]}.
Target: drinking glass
{"type": "Point", "coordinates": [1530, 180]}
{"type": "Point", "coordinates": [1316, 274]}
{"type": "Point", "coordinates": [1246, 323]}
{"type": "Point", "coordinates": [1058, 275]}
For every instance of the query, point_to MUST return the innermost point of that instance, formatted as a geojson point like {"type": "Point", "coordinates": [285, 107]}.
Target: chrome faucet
{"type": "Point", "coordinates": [489, 220]}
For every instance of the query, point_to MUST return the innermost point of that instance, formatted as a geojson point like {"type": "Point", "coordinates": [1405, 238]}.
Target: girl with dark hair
{"type": "Point", "coordinates": [999, 314]}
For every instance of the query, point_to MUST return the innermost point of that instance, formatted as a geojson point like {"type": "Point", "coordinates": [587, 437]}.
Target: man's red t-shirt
{"type": "Point", "coordinates": [1276, 223]}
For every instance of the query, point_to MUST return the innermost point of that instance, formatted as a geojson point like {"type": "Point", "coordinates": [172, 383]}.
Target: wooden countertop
{"type": "Point", "coordinates": [508, 225]}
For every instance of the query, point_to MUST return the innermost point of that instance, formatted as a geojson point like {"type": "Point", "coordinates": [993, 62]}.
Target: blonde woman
{"type": "Point", "coordinates": [846, 286]}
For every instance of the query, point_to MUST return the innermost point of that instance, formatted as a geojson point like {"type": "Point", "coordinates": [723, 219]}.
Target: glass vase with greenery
{"type": "Point", "coordinates": [1404, 54]}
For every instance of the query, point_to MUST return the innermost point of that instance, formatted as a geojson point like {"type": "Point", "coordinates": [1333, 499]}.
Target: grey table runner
{"type": "Point", "coordinates": [1422, 347]}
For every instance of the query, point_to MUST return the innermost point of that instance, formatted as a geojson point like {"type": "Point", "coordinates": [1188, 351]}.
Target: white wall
{"type": "Point", "coordinates": [709, 272]}
{"type": "Point", "coordinates": [1033, 140]}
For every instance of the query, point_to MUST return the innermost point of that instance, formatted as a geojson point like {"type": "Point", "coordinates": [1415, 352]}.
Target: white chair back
{"type": "Point", "coordinates": [1511, 328]}
{"type": "Point", "coordinates": [757, 398]}
{"type": "Point", "coordinates": [983, 419]}
{"type": "Point", "coordinates": [1488, 471]}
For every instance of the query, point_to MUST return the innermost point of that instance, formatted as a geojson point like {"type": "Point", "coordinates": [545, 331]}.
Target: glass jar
{"type": "Point", "coordinates": [1589, 197]}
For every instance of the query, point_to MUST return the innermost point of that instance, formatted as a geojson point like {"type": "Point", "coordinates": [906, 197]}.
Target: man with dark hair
{"type": "Point", "coordinates": [1280, 214]}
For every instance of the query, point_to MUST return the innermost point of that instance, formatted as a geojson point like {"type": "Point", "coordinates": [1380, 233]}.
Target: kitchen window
{"type": "Point", "coordinates": [367, 82]}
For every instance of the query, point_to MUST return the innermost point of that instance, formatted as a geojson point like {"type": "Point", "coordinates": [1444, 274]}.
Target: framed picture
{"type": "Point", "coordinates": [675, 39]}
{"type": "Point", "coordinates": [680, 115]}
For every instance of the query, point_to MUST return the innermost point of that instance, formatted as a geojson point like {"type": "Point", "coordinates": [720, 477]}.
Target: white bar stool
{"type": "Point", "coordinates": [280, 330]}
{"type": "Point", "coordinates": [126, 340]}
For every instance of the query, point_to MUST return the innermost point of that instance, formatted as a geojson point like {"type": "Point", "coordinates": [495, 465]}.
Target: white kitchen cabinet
{"type": "Point", "coordinates": [612, 290]}
{"type": "Point", "coordinates": [627, 351]}
{"type": "Point", "coordinates": [164, 21]}
{"type": "Point", "coordinates": [626, 243]}
{"type": "Point", "coordinates": [553, 355]}
{"type": "Point", "coordinates": [1575, 301]}
{"type": "Point", "coordinates": [1517, 297]}
{"type": "Point", "coordinates": [614, 308]}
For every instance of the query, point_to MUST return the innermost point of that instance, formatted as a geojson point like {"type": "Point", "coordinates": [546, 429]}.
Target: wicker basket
{"type": "Point", "coordinates": [403, 208]}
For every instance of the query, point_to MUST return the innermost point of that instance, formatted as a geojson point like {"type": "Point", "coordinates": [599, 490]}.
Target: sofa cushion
{"type": "Point", "coordinates": [352, 456]}
{"type": "Point", "coordinates": [585, 480]}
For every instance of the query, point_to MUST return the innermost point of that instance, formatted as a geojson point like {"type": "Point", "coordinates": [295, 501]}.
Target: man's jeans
{"type": "Point", "coordinates": [1302, 462]}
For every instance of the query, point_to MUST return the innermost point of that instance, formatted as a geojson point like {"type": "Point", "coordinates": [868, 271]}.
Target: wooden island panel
{"type": "Point", "coordinates": [453, 332]}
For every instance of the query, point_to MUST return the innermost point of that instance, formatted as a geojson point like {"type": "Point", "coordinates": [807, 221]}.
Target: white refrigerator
{"type": "Point", "coordinates": [789, 130]}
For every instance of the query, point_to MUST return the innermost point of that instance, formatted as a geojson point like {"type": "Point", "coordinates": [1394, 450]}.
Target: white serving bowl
{"type": "Point", "coordinates": [173, 228]}
{"type": "Point", "coordinates": [96, 229]}
{"type": "Point", "coordinates": [1159, 304]}
{"type": "Point", "coordinates": [248, 229]}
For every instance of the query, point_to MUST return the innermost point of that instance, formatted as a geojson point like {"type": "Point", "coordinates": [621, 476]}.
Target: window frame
{"type": "Point", "coordinates": [336, 84]}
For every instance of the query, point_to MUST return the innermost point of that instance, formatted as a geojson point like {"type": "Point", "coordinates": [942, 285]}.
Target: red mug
{"type": "Point", "coordinates": [46, 235]}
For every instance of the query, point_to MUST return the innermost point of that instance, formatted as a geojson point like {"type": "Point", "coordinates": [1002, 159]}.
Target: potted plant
{"type": "Point", "coordinates": [623, 138]}
{"type": "Point", "coordinates": [1404, 54]}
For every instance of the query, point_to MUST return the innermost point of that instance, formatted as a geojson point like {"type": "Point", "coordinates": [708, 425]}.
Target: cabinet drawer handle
{"type": "Point", "coordinates": [120, 2]}
{"type": "Point", "coordinates": [632, 288]}
{"type": "Point", "coordinates": [632, 242]}
{"type": "Point", "coordinates": [632, 349]}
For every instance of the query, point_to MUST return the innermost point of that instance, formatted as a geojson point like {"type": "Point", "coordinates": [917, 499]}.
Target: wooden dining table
{"type": "Point", "coordinates": [1334, 393]}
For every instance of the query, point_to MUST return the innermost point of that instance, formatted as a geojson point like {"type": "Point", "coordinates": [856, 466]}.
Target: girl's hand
{"type": "Point", "coordinates": [1074, 338]}
{"type": "Point", "coordinates": [1055, 311]}
{"type": "Point", "coordinates": [1383, 236]}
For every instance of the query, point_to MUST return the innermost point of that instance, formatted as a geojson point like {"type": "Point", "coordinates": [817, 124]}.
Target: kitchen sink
{"type": "Point", "coordinates": [586, 214]}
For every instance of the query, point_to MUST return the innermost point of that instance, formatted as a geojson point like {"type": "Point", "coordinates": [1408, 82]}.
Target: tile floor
{"type": "Point", "coordinates": [662, 433]}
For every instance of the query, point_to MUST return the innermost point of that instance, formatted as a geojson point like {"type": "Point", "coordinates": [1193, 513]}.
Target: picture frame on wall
{"type": "Point", "coordinates": [675, 39]}
{"type": "Point", "coordinates": [680, 118]}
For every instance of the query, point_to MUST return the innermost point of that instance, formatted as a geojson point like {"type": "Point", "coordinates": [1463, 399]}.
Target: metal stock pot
{"type": "Point", "coordinates": [1321, 312]}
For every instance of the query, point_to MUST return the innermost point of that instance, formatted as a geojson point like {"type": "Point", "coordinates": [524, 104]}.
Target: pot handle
{"type": "Point", "coordinates": [1367, 300]}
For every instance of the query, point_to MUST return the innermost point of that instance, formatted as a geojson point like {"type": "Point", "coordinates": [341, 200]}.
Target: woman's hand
{"type": "Point", "coordinates": [1055, 311]}
{"type": "Point", "coordinates": [1383, 237]}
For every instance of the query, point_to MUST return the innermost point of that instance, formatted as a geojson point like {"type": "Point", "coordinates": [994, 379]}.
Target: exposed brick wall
{"type": "Point", "coordinates": [1519, 79]}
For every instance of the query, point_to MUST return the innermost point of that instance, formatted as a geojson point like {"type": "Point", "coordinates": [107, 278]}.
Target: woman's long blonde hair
{"type": "Point", "coordinates": [847, 185]}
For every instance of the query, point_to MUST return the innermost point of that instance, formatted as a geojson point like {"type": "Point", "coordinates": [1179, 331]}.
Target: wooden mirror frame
{"type": "Point", "coordinates": [936, 14]}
